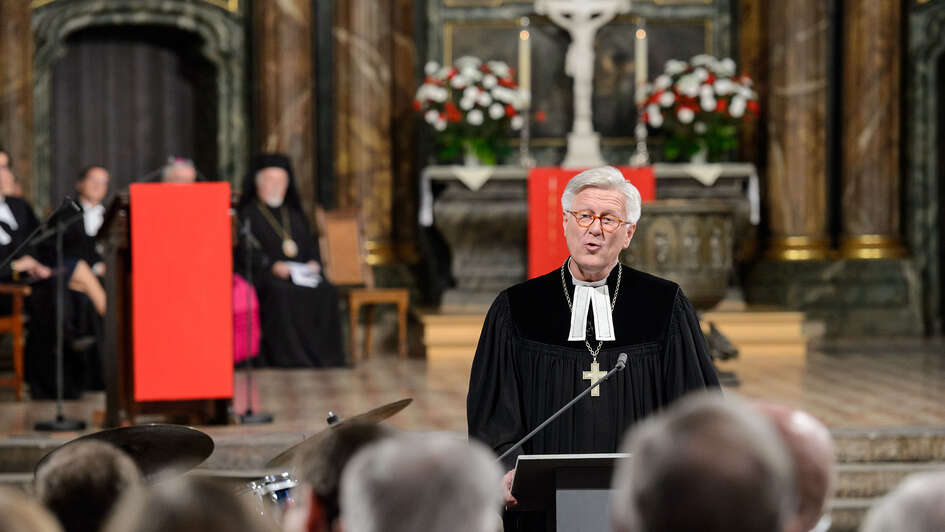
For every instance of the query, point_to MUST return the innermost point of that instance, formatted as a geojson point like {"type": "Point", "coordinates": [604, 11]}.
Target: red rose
{"type": "Point", "coordinates": [416, 105]}
{"type": "Point", "coordinates": [509, 110]}
{"type": "Point", "coordinates": [753, 107]}
{"type": "Point", "coordinates": [722, 106]}
{"type": "Point", "coordinates": [540, 116]}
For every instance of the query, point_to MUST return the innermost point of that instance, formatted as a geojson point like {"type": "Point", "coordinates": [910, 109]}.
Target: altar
{"type": "Point", "coordinates": [482, 214]}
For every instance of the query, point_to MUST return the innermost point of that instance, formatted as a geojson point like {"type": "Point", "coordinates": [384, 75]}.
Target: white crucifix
{"type": "Point", "coordinates": [594, 375]}
{"type": "Point", "coordinates": [582, 19]}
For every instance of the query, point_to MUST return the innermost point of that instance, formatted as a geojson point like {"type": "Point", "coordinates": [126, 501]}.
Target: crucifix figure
{"type": "Point", "coordinates": [594, 375]}
{"type": "Point", "coordinates": [582, 19]}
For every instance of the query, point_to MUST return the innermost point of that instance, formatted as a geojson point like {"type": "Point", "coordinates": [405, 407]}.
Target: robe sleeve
{"type": "Point", "coordinates": [493, 405]}
{"type": "Point", "coordinates": [687, 363]}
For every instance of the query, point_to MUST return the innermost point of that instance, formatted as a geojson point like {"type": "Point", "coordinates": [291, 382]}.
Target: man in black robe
{"type": "Point", "coordinates": [301, 324]}
{"type": "Point", "coordinates": [535, 353]}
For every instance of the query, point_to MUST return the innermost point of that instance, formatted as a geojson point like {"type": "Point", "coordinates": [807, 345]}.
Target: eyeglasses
{"type": "Point", "coordinates": [607, 222]}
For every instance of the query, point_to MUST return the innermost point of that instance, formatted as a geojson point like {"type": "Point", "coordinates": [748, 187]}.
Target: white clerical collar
{"type": "Point", "coordinates": [586, 295]}
{"type": "Point", "coordinates": [6, 216]}
{"type": "Point", "coordinates": [92, 216]}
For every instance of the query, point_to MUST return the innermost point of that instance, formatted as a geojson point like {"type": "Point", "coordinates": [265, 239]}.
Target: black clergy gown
{"type": "Point", "coordinates": [301, 326]}
{"type": "Point", "coordinates": [525, 368]}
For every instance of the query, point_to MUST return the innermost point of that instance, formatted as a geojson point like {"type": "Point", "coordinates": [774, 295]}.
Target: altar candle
{"type": "Point", "coordinates": [525, 59]}
{"type": "Point", "coordinates": [640, 64]}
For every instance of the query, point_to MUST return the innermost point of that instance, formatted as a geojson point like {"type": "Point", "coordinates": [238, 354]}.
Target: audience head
{"type": "Point", "coordinates": [184, 504]}
{"type": "Point", "coordinates": [430, 482]}
{"type": "Point", "coordinates": [179, 170]}
{"type": "Point", "coordinates": [319, 473]}
{"type": "Point", "coordinates": [20, 513]}
{"type": "Point", "coordinates": [92, 184]}
{"type": "Point", "coordinates": [812, 452]}
{"type": "Point", "coordinates": [5, 160]}
{"type": "Point", "coordinates": [9, 186]}
{"type": "Point", "coordinates": [271, 181]}
{"type": "Point", "coordinates": [917, 505]}
{"type": "Point", "coordinates": [81, 483]}
{"type": "Point", "coordinates": [708, 463]}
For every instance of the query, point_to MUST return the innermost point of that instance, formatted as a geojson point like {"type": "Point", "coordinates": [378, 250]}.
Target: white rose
{"type": "Point", "coordinates": [438, 94]}
{"type": "Point", "coordinates": [702, 59]}
{"type": "Point", "coordinates": [469, 73]}
{"type": "Point", "coordinates": [663, 81]}
{"type": "Point", "coordinates": [667, 99]}
{"type": "Point", "coordinates": [654, 118]}
{"type": "Point", "coordinates": [685, 115]}
{"type": "Point", "coordinates": [737, 107]}
{"type": "Point", "coordinates": [471, 93]}
{"type": "Point", "coordinates": [458, 81]}
{"type": "Point", "coordinates": [724, 86]}
{"type": "Point", "coordinates": [496, 111]}
{"type": "Point", "coordinates": [475, 117]}
{"type": "Point", "coordinates": [517, 122]}
{"type": "Point", "coordinates": [466, 104]}
{"type": "Point", "coordinates": [431, 116]}
{"type": "Point", "coordinates": [443, 72]}
{"type": "Point", "coordinates": [431, 67]}
{"type": "Point", "coordinates": [489, 81]}
{"type": "Point", "coordinates": [503, 94]}
{"type": "Point", "coordinates": [688, 85]}
{"type": "Point", "coordinates": [700, 127]}
{"type": "Point", "coordinates": [467, 61]}
{"type": "Point", "coordinates": [675, 66]}
{"type": "Point", "coordinates": [484, 99]}
{"type": "Point", "coordinates": [705, 91]}
{"type": "Point", "coordinates": [708, 104]}
{"type": "Point", "coordinates": [701, 74]}
{"type": "Point", "coordinates": [440, 125]}
{"type": "Point", "coordinates": [726, 67]}
{"type": "Point", "coordinates": [500, 68]}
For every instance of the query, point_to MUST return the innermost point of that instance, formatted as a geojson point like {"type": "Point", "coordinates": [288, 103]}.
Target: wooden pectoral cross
{"type": "Point", "coordinates": [594, 375]}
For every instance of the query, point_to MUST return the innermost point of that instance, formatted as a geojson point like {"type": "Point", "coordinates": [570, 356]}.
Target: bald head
{"type": "Point", "coordinates": [812, 451]}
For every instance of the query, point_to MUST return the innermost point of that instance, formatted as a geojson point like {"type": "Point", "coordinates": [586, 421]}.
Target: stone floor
{"type": "Point", "coordinates": [847, 386]}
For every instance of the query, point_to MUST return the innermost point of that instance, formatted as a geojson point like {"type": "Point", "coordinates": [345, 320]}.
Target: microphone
{"type": "Point", "coordinates": [619, 366]}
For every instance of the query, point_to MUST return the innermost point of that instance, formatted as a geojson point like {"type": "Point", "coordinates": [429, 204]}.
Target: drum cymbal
{"type": "Point", "coordinates": [376, 415]}
{"type": "Point", "coordinates": [154, 448]}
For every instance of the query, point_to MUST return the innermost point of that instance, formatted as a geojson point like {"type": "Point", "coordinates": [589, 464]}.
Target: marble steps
{"type": "Point", "coordinates": [753, 332]}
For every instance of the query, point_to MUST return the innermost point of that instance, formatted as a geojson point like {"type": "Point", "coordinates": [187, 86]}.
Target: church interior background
{"type": "Point", "coordinates": [816, 247]}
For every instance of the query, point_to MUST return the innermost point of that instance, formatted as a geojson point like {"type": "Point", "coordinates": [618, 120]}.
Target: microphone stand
{"type": "Point", "coordinates": [250, 417]}
{"type": "Point", "coordinates": [61, 423]}
{"type": "Point", "coordinates": [621, 363]}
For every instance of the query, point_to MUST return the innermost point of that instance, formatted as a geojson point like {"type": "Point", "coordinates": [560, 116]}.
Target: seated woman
{"type": "Point", "coordinates": [17, 221]}
{"type": "Point", "coordinates": [301, 325]}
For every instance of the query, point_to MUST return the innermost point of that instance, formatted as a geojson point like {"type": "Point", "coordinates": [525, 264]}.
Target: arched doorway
{"type": "Point", "coordinates": [127, 98]}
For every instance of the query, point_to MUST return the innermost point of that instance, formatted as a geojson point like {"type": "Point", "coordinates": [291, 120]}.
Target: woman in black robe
{"type": "Point", "coordinates": [301, 325]}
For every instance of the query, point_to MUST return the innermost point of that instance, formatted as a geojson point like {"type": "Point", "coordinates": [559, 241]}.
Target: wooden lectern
{"type": "Point", "coordinates": [572, 490]}
{"type": "Point", "coordinates": [168, 328]}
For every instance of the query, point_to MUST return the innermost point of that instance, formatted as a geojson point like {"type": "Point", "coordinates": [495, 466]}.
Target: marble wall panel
{"type": "Point", "coordinates": [797, 119]}
{"type": "Point", "coordinates": [16, 87]}
{"type": "Point", "coordinates": [871, 100]}
{"type": "Point", "coordinates": [284, 66]}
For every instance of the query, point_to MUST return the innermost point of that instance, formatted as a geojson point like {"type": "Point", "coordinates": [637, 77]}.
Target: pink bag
{"type": "Point", "coordinates": [244, 293]}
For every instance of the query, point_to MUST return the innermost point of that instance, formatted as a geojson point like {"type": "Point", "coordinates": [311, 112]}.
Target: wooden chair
{"type": "Point", "coordinates": [14, 324]}
{"type": "Point", "coordinates": [345, 262]}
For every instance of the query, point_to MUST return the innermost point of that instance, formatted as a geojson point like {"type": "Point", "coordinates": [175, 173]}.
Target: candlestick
{"type": "Point", "coordinates": [640, 62]}
{"type": "Point", "coordinates": [525, 58]}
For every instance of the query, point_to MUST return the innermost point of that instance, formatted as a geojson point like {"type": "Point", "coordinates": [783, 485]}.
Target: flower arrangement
{"type": "Point", "coordinates": [700, 104]}
{"type": "Point", "coordinates": [471, 105]}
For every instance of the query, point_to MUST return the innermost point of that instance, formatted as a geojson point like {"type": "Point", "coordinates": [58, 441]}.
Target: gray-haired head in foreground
{"type": "Point", "coordinates": [429, 482]}
{"type": "Point", "coordinates": [917, 505]}
{"type": "Point", "coordinates": [606, 177]}
{"type": "Point", "coordinates": [708, 463]}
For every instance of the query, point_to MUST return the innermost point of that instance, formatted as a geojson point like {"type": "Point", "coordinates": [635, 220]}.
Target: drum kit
{"type": "Point", "coordinates": [162, 451]}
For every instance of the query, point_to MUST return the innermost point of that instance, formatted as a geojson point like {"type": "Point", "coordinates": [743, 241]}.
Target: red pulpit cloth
{"type": "Point", "coordinates": [546, 246]}
{"type": "Point", "coordinates": [181, 285]}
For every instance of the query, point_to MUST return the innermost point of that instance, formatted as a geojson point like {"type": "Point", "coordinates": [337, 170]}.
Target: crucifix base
{"type": "Point", "coordinates": [583, 151]}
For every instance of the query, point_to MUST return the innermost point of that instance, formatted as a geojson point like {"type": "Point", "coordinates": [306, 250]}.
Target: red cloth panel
{"type": "Point", "coordinates": [182, 308]}
{"type": "Point", "coordinates": [546, 246]}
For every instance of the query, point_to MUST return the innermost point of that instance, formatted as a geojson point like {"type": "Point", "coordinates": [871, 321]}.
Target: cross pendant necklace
{"type": "Point", "coordinates": [595, 372]}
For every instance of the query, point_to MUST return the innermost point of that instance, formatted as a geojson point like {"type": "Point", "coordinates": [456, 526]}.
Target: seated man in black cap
{"type": "Point", "coordinates": [298, 307]}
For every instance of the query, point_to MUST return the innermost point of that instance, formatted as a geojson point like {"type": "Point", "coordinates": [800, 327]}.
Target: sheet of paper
{"type": "Point", "coordinates": [303, 275]}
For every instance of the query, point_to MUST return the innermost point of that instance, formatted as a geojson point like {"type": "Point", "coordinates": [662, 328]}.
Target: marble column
{"type": "Point", "coordinates": [16, 88]}
{"type": "Point", "coordinates": [363, 48]}
{"type": "Point", "coordinates": [286, 88]}
{"type": "Point", "coordinates": [753, 61]}
{"type": "Point", "coordinates": [404, 161]}
{"type": "Point", "coordinates": [797, 128]}
{"type": "Point", "coordinates": [871, 97]}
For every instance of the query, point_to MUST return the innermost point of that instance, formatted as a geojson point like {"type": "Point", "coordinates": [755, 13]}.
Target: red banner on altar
{"type": "Point", "coordinates": [546, 246]}
{"type": "Point", "coordinates": [182, 310]}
